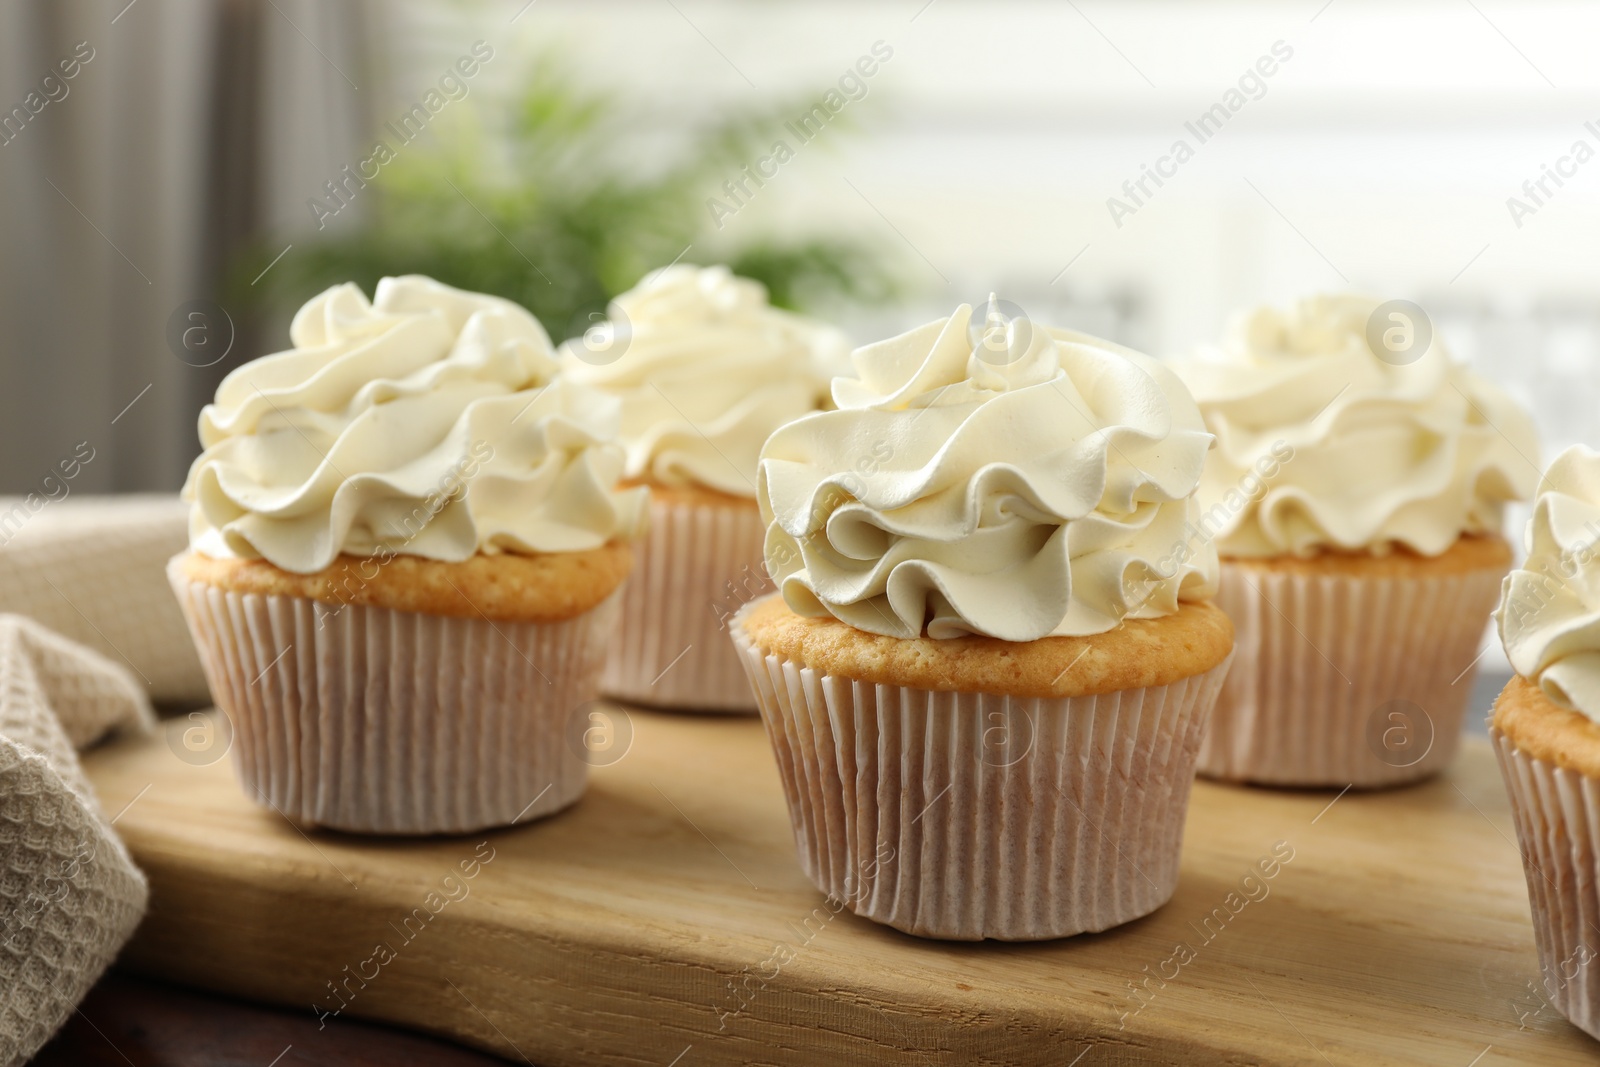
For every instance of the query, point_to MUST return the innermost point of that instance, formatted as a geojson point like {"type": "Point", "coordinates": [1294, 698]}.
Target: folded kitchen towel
{"type": "Point", "coordinates": [94, 569]}
{"type": "Point", "coordinates": [70, 896]}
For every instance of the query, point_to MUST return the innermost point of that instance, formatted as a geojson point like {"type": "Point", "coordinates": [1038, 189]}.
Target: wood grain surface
{"type": "Point", "coordinates": [663, 920]}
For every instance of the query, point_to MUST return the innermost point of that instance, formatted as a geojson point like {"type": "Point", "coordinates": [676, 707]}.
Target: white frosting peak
{"type": "Point", "coordinates": [1363, 452]}
{"type": "Point", "coordinates": [993, 478]}
{"type": "Point", "coordinates": [706, 369]}
{"type": "Point", "coordinates": [428, 422]}
{"type": "Point", "coordinates": [1549, 614]}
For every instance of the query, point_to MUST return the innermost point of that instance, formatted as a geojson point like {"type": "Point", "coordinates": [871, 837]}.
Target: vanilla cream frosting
{"type": "Point", "coordinates": [706, 369]}
{"type": "Point", "coordinates": [1323, 445]}
{"type": "Point", "coordinates": [428, 422]}
{"type": "Point", "coordinates": [1549, 614]}
{"type": "Point", "coordinates": [990, 477]}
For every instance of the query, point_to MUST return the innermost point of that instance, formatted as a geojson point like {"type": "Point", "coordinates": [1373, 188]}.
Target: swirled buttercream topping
{"type": "Point", "coordinates": [1549, 613]}
{"type": "Point", "coordinates": [706, 369]}
{"type": "Point", "coordinates": [428, 422]}
{"type": "Point", "coordinates": [1322, 444]}
{"type": "Point", "coordinates": [991, 477]}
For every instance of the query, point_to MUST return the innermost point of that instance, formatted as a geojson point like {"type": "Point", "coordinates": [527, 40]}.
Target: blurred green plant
{"type": "Point", "coordinates": [534, 202]}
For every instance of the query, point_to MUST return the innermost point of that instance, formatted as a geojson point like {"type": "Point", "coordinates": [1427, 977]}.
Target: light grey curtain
{"type": "Point", "coordinates": [189, 129]}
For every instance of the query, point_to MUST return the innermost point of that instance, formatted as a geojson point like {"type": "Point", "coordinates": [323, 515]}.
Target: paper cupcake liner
{"type": "Point", "coordinates": [965, 816]}
{"type": "Point", "coordinates": [1557, 814]}
{"type": "Point", "coordinates": [1345, 681]}
{"type": "Point", "coordinates": [697, 566]}
{"type": "Point", "coordinates": [377, 721]}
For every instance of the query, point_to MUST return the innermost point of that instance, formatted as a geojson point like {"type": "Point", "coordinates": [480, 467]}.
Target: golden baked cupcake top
{"type": "Point", "coordinates": [1469, 554]}
{"type": "Point", "coordinates": [706, 369]}
{"type": "Point", "coordinates": [429, 422]}
{"type": "Point", "coordinates": [507, 587]}
{"type": "Point", "coordinates": [1139, 654]}
{"type": "Point", "coordinates": [1343, 425]}
{"type": "Point", "coordinates": [1547, 731]}
{"type": "Point", "coordinates": [985, 475]}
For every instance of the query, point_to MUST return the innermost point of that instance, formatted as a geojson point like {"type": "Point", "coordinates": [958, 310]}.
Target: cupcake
{"type": "Point", "coordinates": [406, 542]}
{"type": "Point", "coordinates": [705, 370]}
{"type": "Point", "coordinates": [990, 662]}
{"type": "Point", "coordinates": [1546, 728]}
{"type": "Point", "coordinates": [1355, 496]}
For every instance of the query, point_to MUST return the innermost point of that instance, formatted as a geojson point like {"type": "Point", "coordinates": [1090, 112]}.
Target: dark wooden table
{"type": "Point", "coordinates": [128, 1021]}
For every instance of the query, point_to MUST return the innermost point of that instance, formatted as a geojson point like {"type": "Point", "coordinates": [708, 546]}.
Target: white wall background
{"type": "Point", "coordinates": [1380, 157]}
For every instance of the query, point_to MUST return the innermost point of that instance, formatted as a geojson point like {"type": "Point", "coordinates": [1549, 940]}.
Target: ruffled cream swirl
{"type": "Point", "coordinates": [1549, 613]}
{"type": "Point", "coordinates": [428, 422]}
{"type": "Point", "coordinates": [1003, 479]}
{"type": "Point", "coordinates": [1323, 445]}
{"type": "Point", "coordinates": [706, 369]}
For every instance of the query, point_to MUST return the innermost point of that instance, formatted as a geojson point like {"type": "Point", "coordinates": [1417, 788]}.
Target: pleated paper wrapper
{"type": "Point", "coordinates": [377, 721]}
{"type": "Point", "coordinates": [1342, 681]}
{"type": "Point", "coordinates": [697, 566]}
{"type": "Point", "coordinates": [1557, 813]}
{"type": "Point", "coordinates": [965, 816]}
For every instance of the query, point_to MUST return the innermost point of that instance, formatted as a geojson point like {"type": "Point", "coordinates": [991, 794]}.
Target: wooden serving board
{"type": "Point", "coordinates": [664, 921]}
